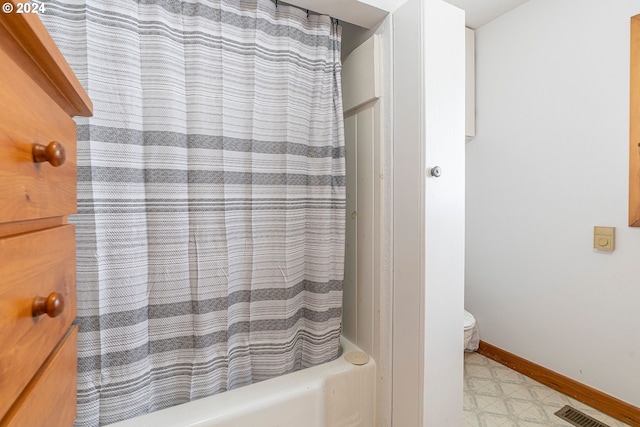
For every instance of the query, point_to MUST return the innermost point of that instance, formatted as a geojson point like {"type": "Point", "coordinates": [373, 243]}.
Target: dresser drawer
{"type": "Point", "coordinates": [29, 116]}
{"type": "Point", "coordinates": [34, 265]}
{"type": "Point", "coordinates": [50, 398]}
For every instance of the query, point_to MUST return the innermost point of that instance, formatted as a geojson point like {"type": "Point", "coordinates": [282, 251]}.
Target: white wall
{"type": "Point", "coordinates": [428, 251]}
{"type": "Point", "coordinates": [426, 284]}
{"type": "Point", "coordinates": [353, 35]}
{"type": "Point", "coordinates": [367, 298]}
{"type": "Point", "coordinates": [444, 212]}
{"type": "Point", "coordinates": [550, 162]}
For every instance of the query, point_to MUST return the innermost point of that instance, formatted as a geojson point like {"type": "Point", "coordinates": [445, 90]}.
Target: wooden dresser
{"type": "Point", "coordinates": [39, 95]}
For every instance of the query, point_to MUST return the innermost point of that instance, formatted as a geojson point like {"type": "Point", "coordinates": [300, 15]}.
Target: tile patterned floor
{"type": "Point", "coordinates": [496, 396]}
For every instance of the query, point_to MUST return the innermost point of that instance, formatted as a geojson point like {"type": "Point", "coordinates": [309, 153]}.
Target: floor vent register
{"type": "Point", "coordinates": [577, 418]}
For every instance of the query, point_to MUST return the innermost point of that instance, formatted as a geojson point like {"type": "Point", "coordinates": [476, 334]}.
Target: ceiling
{"type": "Point", "coordinates": [479, 12]}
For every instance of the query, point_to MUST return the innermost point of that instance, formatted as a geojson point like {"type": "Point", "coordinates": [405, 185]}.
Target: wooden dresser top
{"type": "Point", "coordinates": [25, 38]}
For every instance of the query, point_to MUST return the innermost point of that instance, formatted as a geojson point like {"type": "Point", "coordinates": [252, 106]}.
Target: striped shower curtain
{"type": "Point", "coordinates": [211, 200]}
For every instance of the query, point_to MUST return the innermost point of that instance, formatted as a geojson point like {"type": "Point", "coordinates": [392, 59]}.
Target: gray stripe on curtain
{"type": "Point", "coordinates": [212, 142]}
{"type": "Point", "coordinates": [168, 176]}
{"type": "Point", "coordinates": [211, 198]}
{"type": "Point", "coordinates": [126, 206]}
{"type": "Point", "coordinates": [186, 342]}
{"type": "Point", "coordinates": [124, 318]}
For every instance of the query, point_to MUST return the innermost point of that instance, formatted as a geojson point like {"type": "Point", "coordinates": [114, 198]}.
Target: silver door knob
{"type": "Point", "coordinates": [436, 171]}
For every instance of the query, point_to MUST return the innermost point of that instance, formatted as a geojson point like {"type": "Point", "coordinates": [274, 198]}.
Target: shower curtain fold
{"type": "Point", "coordinates": [211, 197]}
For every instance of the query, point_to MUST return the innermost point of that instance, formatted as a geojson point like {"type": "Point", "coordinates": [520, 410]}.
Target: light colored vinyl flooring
{"type": "Point", "coordinates": [496, 396]}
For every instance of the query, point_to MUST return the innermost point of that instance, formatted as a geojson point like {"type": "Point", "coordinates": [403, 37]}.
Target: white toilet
{"type": "Point", "coordinates": [469, 328]}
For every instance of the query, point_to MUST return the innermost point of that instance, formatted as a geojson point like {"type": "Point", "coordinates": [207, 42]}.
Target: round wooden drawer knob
{"type": "Point", "coordinates": [53, 153]}
{"type": "Point", "coordinates": [52, 306]}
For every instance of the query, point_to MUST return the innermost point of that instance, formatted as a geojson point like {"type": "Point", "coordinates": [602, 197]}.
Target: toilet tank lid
{"type": "Point", "coordinates": [469, 320]}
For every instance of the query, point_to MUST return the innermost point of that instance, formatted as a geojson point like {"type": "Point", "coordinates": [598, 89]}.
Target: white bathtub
{"type": "Point", "coordinates": [335, 394]}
